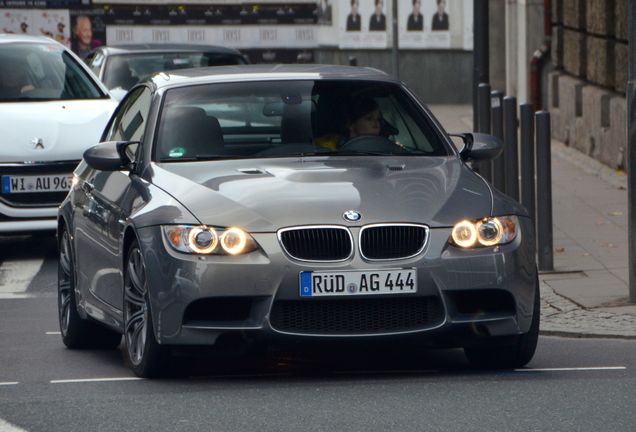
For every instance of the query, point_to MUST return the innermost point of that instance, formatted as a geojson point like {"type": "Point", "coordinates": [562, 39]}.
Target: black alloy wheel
{"type": "Point", "coordinates": [77, 333]}
{"type": "Point", "coordinates": [145, 356]}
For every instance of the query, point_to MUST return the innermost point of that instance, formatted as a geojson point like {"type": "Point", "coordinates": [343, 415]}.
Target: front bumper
{"type": "Point", "coordinates": [13, 220]}
{"type": "Point", "coordinates": [31, 211]}
{"type": "Point", "coordinates": [463, 295]}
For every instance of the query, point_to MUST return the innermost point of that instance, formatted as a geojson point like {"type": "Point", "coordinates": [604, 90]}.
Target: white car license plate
{"type": "Point", "coordinates": [348, 283]}
{"type": "Point", "coordinates": [31, 184]}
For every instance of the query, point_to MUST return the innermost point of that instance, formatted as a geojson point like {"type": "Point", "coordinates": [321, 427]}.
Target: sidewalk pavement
{"type": "Point", "coordinates": [587, 295]}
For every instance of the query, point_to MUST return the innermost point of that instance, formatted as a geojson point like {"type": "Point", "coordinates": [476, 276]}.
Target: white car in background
{"type": "Point", "coordinates": [52, 108]}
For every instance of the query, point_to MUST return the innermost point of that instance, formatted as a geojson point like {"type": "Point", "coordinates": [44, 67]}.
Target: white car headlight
{"type": "Point", "coordinates": [489, 231]}
{"type": "Point", "coordinates": [205, 240]}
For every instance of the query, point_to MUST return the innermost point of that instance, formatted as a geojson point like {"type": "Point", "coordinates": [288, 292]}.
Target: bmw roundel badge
{"type": "Point", "coordinates": [352, 216]}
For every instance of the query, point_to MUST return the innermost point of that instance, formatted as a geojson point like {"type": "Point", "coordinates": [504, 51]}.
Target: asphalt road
{"type": "Point", "coordinates": [571, 385]}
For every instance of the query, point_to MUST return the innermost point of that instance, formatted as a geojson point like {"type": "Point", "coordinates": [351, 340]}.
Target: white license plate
{"type": "Point", "coordinates": [349, 283]}
{"type": "Point", "coordinates": [31, 184]}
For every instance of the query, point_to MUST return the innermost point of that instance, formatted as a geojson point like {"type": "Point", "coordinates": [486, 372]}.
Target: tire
{"type": "Point", "coordinates": [144, 355]}
{"type": "Point", "coordinates": [77, 332]}
{"type": "Point", "coordinates": [510, 356]}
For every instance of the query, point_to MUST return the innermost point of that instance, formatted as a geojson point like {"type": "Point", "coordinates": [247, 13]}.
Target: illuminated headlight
{"type": "Point", "coordinates": [490, 231]}
{"type": "Point", "coordinates": [205, 240]}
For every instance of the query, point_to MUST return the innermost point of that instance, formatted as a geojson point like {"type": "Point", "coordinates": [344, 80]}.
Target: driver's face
{"type": "Point", "coordinates": [368, 124]}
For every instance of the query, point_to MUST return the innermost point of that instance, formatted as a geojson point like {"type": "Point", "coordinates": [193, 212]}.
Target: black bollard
{"type": "Point", "coordinates": [496, 114]}
{"type": "Point", "coordinates": [527, 160]}
{"type": "Point", "coordinates": [511, 147]}
{"type": "Point", "coordinates": [483, 116]}
{"type": "Point", "coordinates": [544, 191]}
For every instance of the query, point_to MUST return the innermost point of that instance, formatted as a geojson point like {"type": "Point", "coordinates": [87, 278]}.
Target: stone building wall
{"type": "Point", "coordinates": [587, 87]}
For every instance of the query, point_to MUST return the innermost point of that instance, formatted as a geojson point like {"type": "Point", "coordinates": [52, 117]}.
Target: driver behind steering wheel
{"type": "Point", "coordinates": [363, 119]}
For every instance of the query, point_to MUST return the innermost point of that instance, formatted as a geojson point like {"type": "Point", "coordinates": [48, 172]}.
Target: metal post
{"type": "Point", "coordinates": [544, 191]}
{"type": "Point", "coordinates": [631, 152]}
{"type": "Point", "coordinates": [498, 168]}
{"type": "Point", "coordinates": [483, 126]}
{"type": "Point", "coordinates": [395, 53]}
{"type": "Point", "coordinates": [481, 55]}
{"type": "Point", "coordinates": [527, 160]}
{"type": "Point", "coordinates": [511, 147]}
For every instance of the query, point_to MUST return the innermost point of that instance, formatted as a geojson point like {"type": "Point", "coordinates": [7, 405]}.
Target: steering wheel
{"type": "Point", "coordinates": [372, 143]}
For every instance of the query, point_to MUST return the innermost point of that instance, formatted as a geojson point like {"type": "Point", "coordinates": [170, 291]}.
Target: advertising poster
{"type": "Point", "coordinates": [16, 21]}
{"type": "Point", "coordinates": [210, 14]}
{"type": "Point", "coordinates": [54, 23]}
{"type": "Point", "coordinates": [425, 24]}
{"type": "Point", "coordinates": [88, 30]}
{"type": "Point", "coordinates": [326, 13]}
{"type": "Point", "coordinates": [241, 37]}
{"type": "Point", "coordinates": [363, 24]}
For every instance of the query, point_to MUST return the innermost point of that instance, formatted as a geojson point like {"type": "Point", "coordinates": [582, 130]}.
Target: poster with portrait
{"type": "Point", "coordinates": [54, 23]}
{"type": "Point", "coordinates": [425, 23]}
{"type": "Point", "coordinates": [16, 21]}
{"type": "Point", "coordinates": [363, 24]}
{"type": "Point", "coordinates": [324, 12]}
{"type": "Point", "coordinates": [88, 30]}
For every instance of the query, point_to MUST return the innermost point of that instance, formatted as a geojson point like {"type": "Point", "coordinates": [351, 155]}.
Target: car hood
{"type": "Point", "coordinates": [64, 128]}
{"type": "Point", "coordinates": [267, 194]}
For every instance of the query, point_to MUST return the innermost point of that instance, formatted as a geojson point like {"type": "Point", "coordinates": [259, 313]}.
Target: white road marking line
{"type": "Point", "coordinates": [14, 296]}
{"type": "Point", "coordinates": [572, 369]}
{"type": "Point", "coordinates": [53, 333]}
{"type": "Point", "coordinates": [15, 276]}
{"type": "Point", "coordinates": [8, 427]}
{"type": "Point", "coordinates": [88, 380]}
{"type": "Point", "coordinates": [8, 383]}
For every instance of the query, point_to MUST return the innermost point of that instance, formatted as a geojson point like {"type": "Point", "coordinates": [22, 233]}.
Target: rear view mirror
{"type": "Point", "coordinates": [479, 146]}
{"type": "Point", "coordinates": [109, 156]}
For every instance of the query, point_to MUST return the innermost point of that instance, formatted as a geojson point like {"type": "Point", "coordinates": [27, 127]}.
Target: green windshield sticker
{"type": "Point", "coordinates": [177, 152]}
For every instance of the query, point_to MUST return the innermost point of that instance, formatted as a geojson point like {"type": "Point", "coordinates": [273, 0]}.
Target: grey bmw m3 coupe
{"type": "Point", "coordinates": [302, 203]}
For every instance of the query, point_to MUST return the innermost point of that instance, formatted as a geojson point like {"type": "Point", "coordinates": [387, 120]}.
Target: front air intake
{"type": "Point", "coordinates": [317, 243]}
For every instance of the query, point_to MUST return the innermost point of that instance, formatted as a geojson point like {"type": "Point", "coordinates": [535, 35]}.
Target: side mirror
{"type": "Point", "coordinates": [479, 146]}
{"type": "Point", "coordinates": [109, 156]}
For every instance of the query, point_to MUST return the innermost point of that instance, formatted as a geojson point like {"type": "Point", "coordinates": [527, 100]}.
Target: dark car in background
{"type": "Point", "coordinates": [290, 203]}
{"type": "Point", "coordinates": [121, 67]}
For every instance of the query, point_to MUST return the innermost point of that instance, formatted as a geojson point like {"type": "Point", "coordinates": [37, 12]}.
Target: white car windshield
{"type": "Point", "coordinates": [35, 72]}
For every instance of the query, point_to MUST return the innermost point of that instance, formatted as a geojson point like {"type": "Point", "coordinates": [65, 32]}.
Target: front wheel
{"type": "Point", "coordinates": [145, 356]}
{"type": "Point", "coordinates": [77, 333]}
{"type": "Point", "coordinates": [514, 355]}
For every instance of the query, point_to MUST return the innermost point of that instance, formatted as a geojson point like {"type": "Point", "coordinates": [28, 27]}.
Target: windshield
{"type": "Point", "coordinates": [36, 72]}
{"type": "Point", "coordinates": [126, 70]}
{"type": "Point", "coordinates": [293, 118]}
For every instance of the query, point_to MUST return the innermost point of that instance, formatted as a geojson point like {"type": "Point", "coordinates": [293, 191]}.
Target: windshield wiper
{"type": "Point", "coordinates": [205, 158]}
{"type": "Point", "coordinates": [364, 153]}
